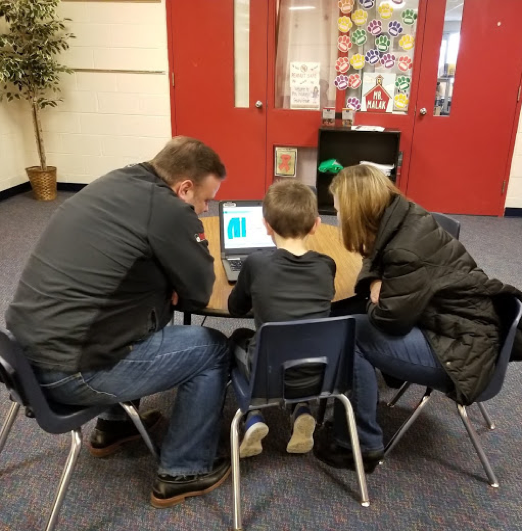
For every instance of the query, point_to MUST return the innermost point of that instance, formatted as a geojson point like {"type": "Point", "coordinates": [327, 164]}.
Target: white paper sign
{"type": "Point", "coordinates": [304, 85]}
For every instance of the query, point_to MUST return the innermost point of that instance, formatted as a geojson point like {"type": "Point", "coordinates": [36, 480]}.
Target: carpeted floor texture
{"type": "Point", "coordinates": [433, 480]}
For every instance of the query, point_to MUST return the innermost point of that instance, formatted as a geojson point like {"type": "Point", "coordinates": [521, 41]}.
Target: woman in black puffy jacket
{"type": "Point", "coordinates": [429, 310]}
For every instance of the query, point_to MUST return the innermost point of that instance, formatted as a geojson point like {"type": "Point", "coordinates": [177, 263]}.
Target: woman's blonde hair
{"type": "Point", "coordinates": [363, 192]}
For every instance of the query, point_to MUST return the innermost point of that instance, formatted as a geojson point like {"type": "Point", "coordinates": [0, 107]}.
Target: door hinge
{"type": "Point", "coordinates": [518, 97]}
{"type": "Point", "coordinates": [172, 79]}
{"type": "Point", "coordinates": [503, 187]}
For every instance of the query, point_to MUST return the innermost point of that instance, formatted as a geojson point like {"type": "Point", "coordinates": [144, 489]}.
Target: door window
{"type": "Point", "coordinates": [350, 45]}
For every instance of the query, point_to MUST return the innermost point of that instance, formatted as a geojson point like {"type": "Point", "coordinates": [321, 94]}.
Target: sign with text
{"type": "Point", "coordinates": [304, 85]}
{"type": "Point", "coordinates": [378, 92]}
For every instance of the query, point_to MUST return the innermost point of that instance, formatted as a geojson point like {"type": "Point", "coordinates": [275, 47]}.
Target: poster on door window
{"type": "Point", "coordinates": [304, 85]}
{"type": "Point", "coordinates": [378, 91]}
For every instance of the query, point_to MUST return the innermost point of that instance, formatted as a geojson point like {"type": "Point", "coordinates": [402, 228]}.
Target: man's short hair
{"type": "Point", "coordinates": [187, 158]}
{"type": "Point", "coordinates": [290, 208]}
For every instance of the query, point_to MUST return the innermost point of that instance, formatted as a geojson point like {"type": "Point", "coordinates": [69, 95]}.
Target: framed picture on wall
{"type": "Point", "coordinates": [285, 161]}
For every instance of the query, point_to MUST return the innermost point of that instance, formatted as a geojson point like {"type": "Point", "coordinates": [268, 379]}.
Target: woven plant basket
{"type": "Point", "coordinates": [43, 182]}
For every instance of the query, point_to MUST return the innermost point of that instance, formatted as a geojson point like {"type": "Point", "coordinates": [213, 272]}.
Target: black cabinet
{"type": "Point", "coordinates": [349, 147]}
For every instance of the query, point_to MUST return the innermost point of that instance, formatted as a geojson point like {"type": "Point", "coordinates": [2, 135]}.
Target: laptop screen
{"type": "Point", "coordinates": [243, 227]}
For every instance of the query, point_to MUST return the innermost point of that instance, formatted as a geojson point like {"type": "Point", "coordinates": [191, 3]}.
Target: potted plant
{"type": "Point", "coordinates": [30, 40]}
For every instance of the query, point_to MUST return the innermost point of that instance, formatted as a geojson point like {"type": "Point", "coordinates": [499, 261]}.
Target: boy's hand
{"type": "Point", "coordinates": [174, 299]}
{"type": "Point", "coordinates": [375, 290]}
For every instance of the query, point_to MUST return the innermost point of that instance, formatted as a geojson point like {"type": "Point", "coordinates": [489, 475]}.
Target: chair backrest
{"type": "Point", "coordinates": [448, 224]}
{"type": "Point", "coordinates": [320, 343]}
{"type": "Point", "coordinates": [18, 376]}
{"type": "Point", "coordinates": [509, 309]}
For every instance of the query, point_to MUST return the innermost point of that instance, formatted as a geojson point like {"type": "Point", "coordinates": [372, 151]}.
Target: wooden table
{"type": "Point", "coordinates": [327, 240]}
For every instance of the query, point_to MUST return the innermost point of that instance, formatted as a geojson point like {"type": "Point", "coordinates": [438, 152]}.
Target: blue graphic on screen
{"type": "Point", "coordinates": [244, 228]}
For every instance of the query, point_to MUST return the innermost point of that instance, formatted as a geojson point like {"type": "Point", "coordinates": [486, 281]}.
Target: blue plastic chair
{"type": "Point", "coordinates": [18, 376]}
{"type": "Point", "coordinates": [510, 312]}
{"type": "Point", "coordinates": [281, 346]}
{"type": "Point", "coordinates": [448, 224]}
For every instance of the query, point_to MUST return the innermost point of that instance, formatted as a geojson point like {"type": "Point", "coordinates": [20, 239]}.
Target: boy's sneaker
{"type": "Point", "coordinates": [255, 431]}
{"type": "Point", "coordinates": [302, 440]}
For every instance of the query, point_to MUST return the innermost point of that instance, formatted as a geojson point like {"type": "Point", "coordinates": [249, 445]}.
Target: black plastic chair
{"type": "Point", "coordinates": [510, 310]}
{"type": "Point", "coordinates": [326, 343]}
{"type": "Point", "coordinates": [18, 376]}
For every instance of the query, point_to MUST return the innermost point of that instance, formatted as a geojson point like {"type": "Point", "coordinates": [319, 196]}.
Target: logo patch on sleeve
{"type": "Point", "coordinates": [200, 237]}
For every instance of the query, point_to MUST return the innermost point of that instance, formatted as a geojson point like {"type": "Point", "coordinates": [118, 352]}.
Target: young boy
{"type": "Point", "coordinates": [285, 284]}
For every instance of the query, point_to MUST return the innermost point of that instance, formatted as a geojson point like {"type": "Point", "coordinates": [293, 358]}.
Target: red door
{"type": "Point", "coordinates": [202, 57]}
{"type": "Point", "coordinates": [460, 162]}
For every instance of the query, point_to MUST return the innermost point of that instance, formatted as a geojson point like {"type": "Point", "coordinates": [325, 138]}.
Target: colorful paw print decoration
{"type": "Point", "coordinates": [367, 4]}
{"type": "Point", "coordinates": [341, 82]}
{"type": "Point", "coordinates": [344, 43]}
{"type": "Point", "coordinates": [401, 101]}
{"type": "Point", "coordinates": [357, 61]}
{"type": "Point", "coordinates": [404, 63]}
{"type": "Point", "coordinates": [346, 6]}
{"type": "Point", "coordinates": [382, 43]}
{"type": "Point", "coordinates": [403, 83]}
{"type": "Point", "coordinates": [372, 57]}
{"type": "Point", "coordinates": [407, 42]}
{"type": "Point", "coordinates": [360, 17]}
{"type": "Point", "coordinates": [395, 28]}
{"type": "Point", "coordinates": [354, 81]}
{"type": "Point", "coordinates": [375, 27]}
{"type": "Point", "coordinates": [409, 16]}
{"type": "Point", "coordinates": [344, 24]}
{"type": "Point", "coordinates": [353, 103]}
{"type": "Point", "coordinates": [388, 60]}
{"type": "Point", "coordinates": [385, 10]}
{"type": "Point", "coordinates": [342, 65]}
{"type": "Point", "coordinates": [359, 36]}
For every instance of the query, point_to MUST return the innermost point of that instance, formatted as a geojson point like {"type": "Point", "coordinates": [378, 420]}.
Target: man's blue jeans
{"type": "Point", "coordinates": [194, 359]}
{"type": "Point", "coordinates": [408, 358]}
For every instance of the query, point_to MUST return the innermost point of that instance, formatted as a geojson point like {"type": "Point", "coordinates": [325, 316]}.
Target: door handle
{"type": "Point", "coordinates": [259, 104]}
{"type": "Point", "coordinates": [423, 111]}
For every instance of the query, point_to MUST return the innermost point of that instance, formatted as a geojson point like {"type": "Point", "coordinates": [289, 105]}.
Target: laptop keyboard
{"type": "Point", "coordinates": [235, 265]}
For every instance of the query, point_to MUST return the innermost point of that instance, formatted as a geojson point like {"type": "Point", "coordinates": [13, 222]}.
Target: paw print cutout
{"type": "Point", "coordinates": [388, 60]}
{"type": "Point", "coordinates": [404, 63]}
{"type": "Point", "coordinates": [342, 65]}
{"type": "Point", "coordinates": [409, 17]}
{"type": "Point", "coordinates": [375, 27]}
{"type": "Point", "coordinates": [359, 17]}
{"type": "Point", "coordinates": [344, 43]}
{"type": "Point", "coordinates": [403, 83]}
{"type": "Point", "coordinates": [357, 61]}
{"type": "Point", "coordinates": [341, 82]}
{"type": "Point", "coordinates": [382, 43]}
{"type": "Point", "coordinates": [407, 42]}
{"type": "Point", "coordinates": [344, 24]}
{"type": "Point", "coordinates": [367, 4]}
{"type": "Point", "coordinates": [353, 103]}
{"type": "Point", "coordinates": [385, 10]}
{"type": "Point", "coordinates": [372, 57]}
{"type": "Point", "coordinates": [359, 37]}
{"type": "Point", "coordinates": [395, 28]}
{"type": "Point", "coordinates": [401, 101]}
{"type": "Point", "coordinates": [346, 6]}
{"type": "Point", "coordinates": [354, 81]}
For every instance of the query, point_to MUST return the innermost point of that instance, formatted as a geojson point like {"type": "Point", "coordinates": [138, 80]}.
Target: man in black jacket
{"type": "Point", "coordinates": [95, 297]}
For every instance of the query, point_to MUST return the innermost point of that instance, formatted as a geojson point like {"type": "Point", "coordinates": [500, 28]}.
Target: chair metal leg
{"type": "Point", "coordinates": [8, 424]}
{"type": "Point", "coordinates": [404, 387]}
{"type": "Point", "coordinates": [485, 414]}
{"type": "Point", "coordinates": [493, 481]}
{"type": "Point", "coordinates": [236, 473]}
{"type": "Point", "coordinates": [406, 425]}
{"type": "Point", "coordinates": [356, 449]}
{"type": "Point", "coordinates": [76, 444]}
{"type": "Point", "coordinates": [135, 417]}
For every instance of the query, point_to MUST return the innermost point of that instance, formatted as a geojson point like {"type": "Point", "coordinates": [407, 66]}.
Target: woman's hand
{"type": "Point", "coordinates": [375, 290]}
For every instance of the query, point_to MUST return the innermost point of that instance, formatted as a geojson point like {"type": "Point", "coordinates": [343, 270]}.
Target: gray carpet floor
{"type": "Point", "coordinates": [432, 481]}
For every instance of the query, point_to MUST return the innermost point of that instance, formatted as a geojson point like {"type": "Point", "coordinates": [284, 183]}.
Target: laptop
{"type": "Point", "coordinates": [242, 232]}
